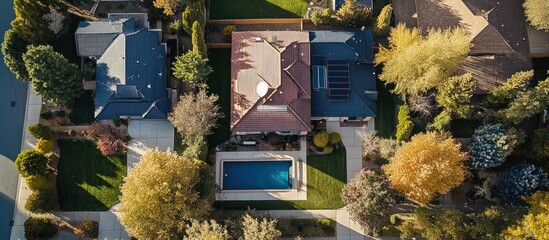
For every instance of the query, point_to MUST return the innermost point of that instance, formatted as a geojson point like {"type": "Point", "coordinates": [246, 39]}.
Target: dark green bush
{"type": "Point", "coordinates": [334, 138]}
{"type": "Point", "coordinates": [47, 115]}
{"type": "Point", "coordinates": [328, 149]}
{"type": "Point", "coordinates": [42, 201]}
{"type": "Point", "coordinates": [540, 144]}
{"type": "Point", "coordinates": [39, 131]}
{"type": "Point", "coordinates": [89, 228]}
{"type": "Point", "coordinates": [60, 113]}
{"type": "Point", "coordinates": [31, 162]}
{"type": "Point", "coordinates": [39, 228]}
{"type": "Point", "coordinates": [39, 183]}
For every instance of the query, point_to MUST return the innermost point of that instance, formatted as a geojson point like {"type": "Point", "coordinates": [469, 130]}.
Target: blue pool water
{"type": "Point", "coordinates": [257, 175]}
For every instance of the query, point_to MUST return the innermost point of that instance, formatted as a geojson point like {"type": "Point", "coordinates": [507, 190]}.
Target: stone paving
{"type": "Point", "coordinates": [148, 134]}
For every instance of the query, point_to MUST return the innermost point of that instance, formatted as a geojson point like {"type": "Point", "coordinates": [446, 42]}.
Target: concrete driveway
{"type": "Point", "coordinates": [148, 134]}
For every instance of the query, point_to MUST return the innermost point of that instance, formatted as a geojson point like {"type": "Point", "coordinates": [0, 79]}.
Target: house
{"type": "Point", "coordinates": [282, 80]}
{"type": "Point", "coordinates": [497, 30]}
{"type": "Point", "coordinates": [130, 66]}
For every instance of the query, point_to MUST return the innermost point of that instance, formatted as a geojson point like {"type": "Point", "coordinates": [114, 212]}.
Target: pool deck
{"type": "Point", "coordinates": [300, 163]}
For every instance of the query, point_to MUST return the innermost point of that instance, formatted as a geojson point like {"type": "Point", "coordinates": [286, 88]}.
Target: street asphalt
{"type": "Point", "coordinates": [13, 94]}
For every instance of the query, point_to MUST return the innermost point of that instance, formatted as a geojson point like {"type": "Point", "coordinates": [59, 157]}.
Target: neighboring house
{"type": "Point", "coordinates": [539, 42]}
{"type": "Point", "coordinates": [497, 30]}
{"type": "Point", "coordinates": [336, 4]}
{"type": "Point", "coordinates": [131, 66]}
{"type": "Point", "coordinates": [272, 89]}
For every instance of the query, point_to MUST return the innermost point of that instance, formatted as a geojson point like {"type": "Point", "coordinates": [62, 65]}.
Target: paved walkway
{"type": "Point", "coordinates": [32, 116]}
{"type": "Point", "coordinates": [148, 134]}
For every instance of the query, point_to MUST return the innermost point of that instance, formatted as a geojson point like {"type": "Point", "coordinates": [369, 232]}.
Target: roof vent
{"type": "Point", "coordinates": [273, 39]}
{"type": "Point", "coordinates": [258, 39]}
{"type": "Point", "coordinates": [262, 89]}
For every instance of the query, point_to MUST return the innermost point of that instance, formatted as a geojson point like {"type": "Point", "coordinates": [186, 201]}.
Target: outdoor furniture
{"type": "Point", "coordinates": [249, 143]}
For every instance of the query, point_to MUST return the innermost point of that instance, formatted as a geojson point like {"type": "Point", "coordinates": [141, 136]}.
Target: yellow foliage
{"type": "Point", "coordinates": [535, 223]}
{"type": "Point", "coordinates": [45, 146]}
{"type": "Point", "coordinates": [168, 6]}
{"type": "Point", "coordinates": [431, 163]}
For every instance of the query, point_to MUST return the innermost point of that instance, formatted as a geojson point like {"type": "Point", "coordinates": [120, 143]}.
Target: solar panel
{"type": "Point", "coordinates": [338, 94]}
{"type": "Point", "coordinates": [338, 79]}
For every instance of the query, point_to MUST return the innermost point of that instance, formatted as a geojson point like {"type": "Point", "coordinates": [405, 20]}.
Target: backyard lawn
{"type": "Point", "coordinates": [219, 83]}
{"type": "Point", "coordinates": [326, 176]}
{"type": "Point", "coordinates": [240, 9]}
{"type": "Point", "coordinates": [87, 180]}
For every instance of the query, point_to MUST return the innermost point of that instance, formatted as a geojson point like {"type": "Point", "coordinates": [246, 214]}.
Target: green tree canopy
{"type": "Point", "coordinates": [352, 15]}
{"type": "Point", "coordinates": [199, 45]}
{"type": "Point", "coordinates": [405, 124]}
{"type": "Point", "coordinates": [192, 69]}
{"type": "Point", "coordinates": [534, 224]}
{"type": "Point", "coordinates": [383, 21]}
{"type": "Point", "coordinates": [13, 49]}
{"type": "Point", "coordinates": [208, 230]}
{"type": "Point", "coordinates": [193, 12]}
{"type": "Point", "coordinates": [527, 104]}
{"type": "Point", "coordinates": [31, 162]}
{"type": "Point", "coordinates": [29, 22]}
{"type": "Point", "coordinates": [501, 95]}
{"type": "Point", "coordinates": [455, 95]}
{"type": "Point", "coordinates": [52, 76]}
{"type": "Point", "coordinates": [537, 13]}
{"type": "Point", "coordinates": [161, 193]}
{"type": "Point", "coordinates": [415, 63]}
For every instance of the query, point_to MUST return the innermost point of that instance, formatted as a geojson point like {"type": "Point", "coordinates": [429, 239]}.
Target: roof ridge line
{"type": "Point", "coordinates": [296, 115]}
{"type": "Point", "coordinates": [293, 79]}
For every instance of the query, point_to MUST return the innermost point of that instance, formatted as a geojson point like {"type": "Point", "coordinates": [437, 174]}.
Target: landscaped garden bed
{"type": "Point", "coordinates": [87, 180]}
{"type": "Point", "coordinates": [319, 227]}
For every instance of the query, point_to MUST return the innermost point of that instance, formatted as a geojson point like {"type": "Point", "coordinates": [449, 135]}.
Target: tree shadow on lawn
{"type": "Point", "coordinates": [249, 9]}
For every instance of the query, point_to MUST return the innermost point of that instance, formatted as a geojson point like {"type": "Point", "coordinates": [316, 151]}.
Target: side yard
{"type": "Point", "coordinates": [220, 84]}
{"type": "Point", "coordinates": [241, 9]}
{"type": "Point", "coordinates": [87, 180]}
{"type": "Point", "coordinates": [326, 176]}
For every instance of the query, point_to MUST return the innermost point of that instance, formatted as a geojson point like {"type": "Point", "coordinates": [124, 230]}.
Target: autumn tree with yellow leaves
{"type": "Point", "coordinates": [430, 164]}
{"type": "Point", "coordinates": [534, 224]}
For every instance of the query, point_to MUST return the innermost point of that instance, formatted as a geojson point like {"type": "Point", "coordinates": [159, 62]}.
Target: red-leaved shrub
{"type": "Point", "coordinates": [108, 139]}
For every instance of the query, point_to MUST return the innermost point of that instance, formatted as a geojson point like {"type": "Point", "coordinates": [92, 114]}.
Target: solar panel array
{"type": "Point", "coordinates": [338, 79]}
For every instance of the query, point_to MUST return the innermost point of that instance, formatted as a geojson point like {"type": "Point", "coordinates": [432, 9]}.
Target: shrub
{"type": "Point", "coordinates": [539, 149]}
{"type": "Point", "coordinates": [39, 228]}
{"type": "Point", "coordinates": [321, 139]}
{"type": "Point", "coordinates": [334, 138]}
{"type": "Point", "coordinates": [328, 149]}
{"type": "Point", "coordinates": [71, 132]}
{"type": "Point", "coordinates": [46, 115]}
{"type": "Point", "coordinates": [490, 145]}
{"type": "Point", "coordinates": [175, 27]}
{"type": "Point", "coordinates": [352, 15]}
{"type": "Point", "coordinates": [39, 131]}
{"type": "Point", "coordinates": [89, 228]}
{"type": "Point", "coordinates": [289, 147]}
{"type": "Point", "coordinates": [45, 146]}
{"type": "Point", "coordinates": [31, 162]}
{"type": "Point", "coordinates": [42, 201]}
{"type": "Point", "coordinates": [322, 17]}
{"type": "Point", "coordinates": [39, 183]}
{"type": "Point", "coordinates": [441, 122]}
{"type": "Point", "coordinates": [522, 180]}
{"type": "Point", "coordinates": [109, 140]}
{"type": "Point", "coordinates": [60, 113]}
{"type": "Point", "coordinates": [383, 22]}
{"type": "Point", "coordinates": [117, 122]}
{"type": "Point", "coordinates": [228, 31]}
{"type": "Point", "coordinates": [405, 124]}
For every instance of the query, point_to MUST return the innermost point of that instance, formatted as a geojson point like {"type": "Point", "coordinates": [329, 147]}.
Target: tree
{"type": "Point", "coordinates": [370, 141]}
{"type": "Point", "coordinates": [196, 114]}
{"type": "Point", "coordinates": [38, 228]}
{"type": "Point", "coordinates": [368, 198]}
{"type": "Point", "coordinates": [259, 228]}
{"type": "Point", "coordinates": [192, 69]}
{"type": "Point", "coordinates": [537, 14]}
{"type": "Point", "coordinates": [441, 122]}
{"type": "Point", "coordinates": [455, 95]}
{"type": "Point", "coordinates": [39, 131]}
{"type": "Point", "coordinates": [383, 22]}
{"type": "Point", "coordinates": [489, 146]}
{"type": "Point", "coordinates": [52, 76]}
{"type": "Point", "coordinates": [430, 164]}
{"type": "Point", "coordinates": [28, 22]}
{"type": "Point", "coordinates": [501, 95]}
{"type": "Point", "coordinates": [31, 163]}
{"type": "Point", "coordinates": [109, 140]}
{"type": "Point", "coordinates": [416, 64]}
{"type": "Point", "coordinates": [162, 192]}
{"type": "Point", "coordinates": [439, 223]}
{"type": "Point", "coordinates": [489, 224]}
{"type": "Point", "coordinates": [199, 45]}
{"type": "Point", "coordinates": [405, 124]}
{"type": "Point", "coordinates": [534, 224]}
{"type": "Point", "coordinates": [168, 6]}
{"type": "Point", "coordinates": [521, 180]}
{"type": "Point", "coordinates": [539, 149]}
{"type": "Point", "coordinates": [323, 17]}
{"type": "Point", "coordinates": [42, 201]}
{"type": "Point", "coordinates": [352, 15]}
{"type": "Point", "coordinates": [424, 104]}
{"type": "Point", "coordinates": [209, 230]}
{"type": "Point", "coordinates": [193, 12]}
{"type": "Point", "coordinates": [527, 104]}
{"type": "Point", "coordinates": [13, 49]}
{"type": "Point", "coordinates": [55, 20]}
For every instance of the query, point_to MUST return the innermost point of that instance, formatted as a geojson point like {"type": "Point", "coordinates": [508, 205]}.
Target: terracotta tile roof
{"type": "Point", "coordinates": [497, 30]}
{"type": "Point", "coordinates": [280, 59]}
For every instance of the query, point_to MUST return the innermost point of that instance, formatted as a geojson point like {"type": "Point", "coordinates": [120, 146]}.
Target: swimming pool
{"type": "Point", "coordinates": [257, 175]}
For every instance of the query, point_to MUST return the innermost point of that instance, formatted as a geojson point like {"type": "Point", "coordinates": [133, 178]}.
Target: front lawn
{"type": "Point", "coordinates": [326, 176]}
{"type": "Point", "coordinates": [241, 9]}
{"type": "Point", "coordinates": [219, 82]}
{"type": "Point", "coordinates": [87, 180]}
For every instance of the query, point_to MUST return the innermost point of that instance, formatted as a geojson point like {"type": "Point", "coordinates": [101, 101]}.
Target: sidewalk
{"type": "Point", "coordinates": [32, 116]}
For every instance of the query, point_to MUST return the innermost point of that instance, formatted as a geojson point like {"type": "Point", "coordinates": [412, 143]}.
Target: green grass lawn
{"type": "Point", "coordinates": [241, 9]}
{"type": "Point", "coordinates": [385, 120]}
{"type": "Point", "coordinates": [87, 180]}
{"type": "Point", "coordinates": [326, 176]}
{"type": "Point", "coordinates": [83, 109]}
{"type": "Point", "coordinates": [219, 83]}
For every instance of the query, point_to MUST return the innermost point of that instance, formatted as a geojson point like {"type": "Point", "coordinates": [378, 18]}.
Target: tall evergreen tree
{"type": "Point", "coordinates": [199, 45]}
{"type": "Point", "coordinates": [193, 12]}
{"type": "Point", "coordinates": [29, 22]}
{"type": "Point", "coordinates": [13, 49]}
